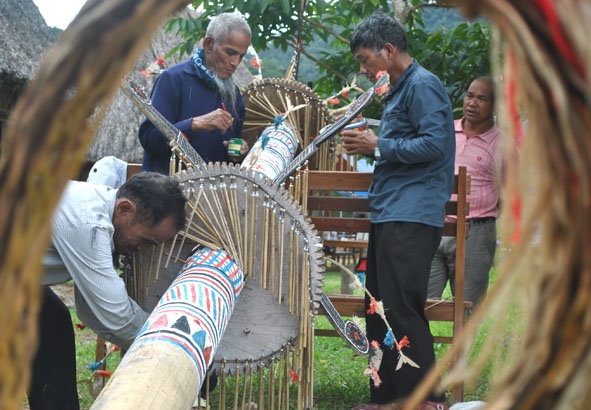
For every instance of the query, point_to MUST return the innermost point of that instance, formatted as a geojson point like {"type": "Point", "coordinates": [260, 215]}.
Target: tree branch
{"type": "Point", "coordinates": [323, 64]}
{"type": "Point", "coordinates": [324, 28]}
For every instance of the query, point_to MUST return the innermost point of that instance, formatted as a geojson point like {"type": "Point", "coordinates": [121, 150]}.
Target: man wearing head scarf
{"type": "Point", "coordinates": [199, 97]}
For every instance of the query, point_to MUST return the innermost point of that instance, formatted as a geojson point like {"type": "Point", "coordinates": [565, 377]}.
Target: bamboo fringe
{"type": "Point", "coordinates": [267, 99]}
{"type": "Point", "coordinates": [272, 384]}
{"type": "Point", "coordinates": [259, 232]}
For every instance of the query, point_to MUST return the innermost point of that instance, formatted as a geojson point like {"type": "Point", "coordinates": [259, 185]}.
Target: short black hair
{"type": "Point", "coordinates": [376, 30]}
{"type": "Point", "coordinates": [486, 79]}
{"type": "Point", "coordinates": [156, 197]}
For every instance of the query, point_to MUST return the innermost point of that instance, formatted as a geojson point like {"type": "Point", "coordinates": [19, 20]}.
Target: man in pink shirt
{"type": "Point", "coordinates": [477, 140]}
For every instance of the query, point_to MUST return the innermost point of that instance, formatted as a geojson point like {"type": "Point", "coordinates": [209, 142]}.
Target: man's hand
{"type": "Point", "coordinates": [243, 151]}
{"type": "Point", "coordinates": [359, 142]}
{"type": "Point", "coordinates": [217, 119]}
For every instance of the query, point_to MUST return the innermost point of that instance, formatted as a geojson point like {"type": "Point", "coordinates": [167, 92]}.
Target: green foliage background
{"type": "Point", "coordinates": [439, 38]}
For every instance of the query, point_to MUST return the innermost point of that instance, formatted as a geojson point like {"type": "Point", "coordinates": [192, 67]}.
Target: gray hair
{"type": "Point", "coordinates": [220, 27]}
{"type": "Point", "coordinates": [375, 31]}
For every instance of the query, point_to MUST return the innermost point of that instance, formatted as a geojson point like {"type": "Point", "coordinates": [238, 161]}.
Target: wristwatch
{"type": "Point", "coordinates": [376, 153]}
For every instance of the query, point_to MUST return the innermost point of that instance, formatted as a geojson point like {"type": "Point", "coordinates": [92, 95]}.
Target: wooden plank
{"type": "Point", "coordinates": [436, 310]}
{"type": "Point", "coordinates": [333, 333]}
{"type": "Point", "coordinates": [340, 224]}
{"type": "Point", "coordinates": [345, 243]}
{"type": "Point", "coordinates": [133, 168]}
{"type": "Point", "coordinates": [354, 181]}
{"type": "Point", "coordinates": [451, 208]}
{"type": "Point", "coordinates": [337, 180]}
{"type": "Point", "coordinates": [338, 203]}
{"type": "Point", "coordinates": [348, 305]}
{"type": "Point", "coordinates": [440, 311]}
{"type": "Point", "coordinates": [327, 223]}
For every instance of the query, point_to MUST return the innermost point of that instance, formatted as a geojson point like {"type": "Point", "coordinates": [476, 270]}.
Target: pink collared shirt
{"type": "Point", "coordinates": [480, 154]}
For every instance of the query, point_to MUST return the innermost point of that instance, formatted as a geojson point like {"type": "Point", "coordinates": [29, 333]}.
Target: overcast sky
{"type": "Point", "coordinates": [59, 13]}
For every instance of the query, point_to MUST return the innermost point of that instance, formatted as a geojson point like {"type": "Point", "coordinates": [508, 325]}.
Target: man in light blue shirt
{"type": "Point", "coordinates": [91, 225]}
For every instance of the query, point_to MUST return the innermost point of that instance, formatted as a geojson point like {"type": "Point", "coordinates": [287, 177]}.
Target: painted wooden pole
{"type": "Point", "coordinates": [167, 363]}
{"type": "Point", "coordinates": [272, 151]}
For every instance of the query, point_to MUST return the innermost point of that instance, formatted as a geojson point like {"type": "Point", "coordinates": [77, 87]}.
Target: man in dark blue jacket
{"type": "Point", "coordinates": [199, 97]}
{"type": "Point", "coordinates": [412, 181]}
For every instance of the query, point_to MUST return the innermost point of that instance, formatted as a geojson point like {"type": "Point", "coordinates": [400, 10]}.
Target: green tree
{"type": "Point", "coordinates": [456, 54]}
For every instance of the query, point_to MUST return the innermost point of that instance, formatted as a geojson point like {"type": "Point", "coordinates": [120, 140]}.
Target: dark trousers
{"type": "Point", "coordinates": [398, 265]}
{"type": "Point", "coordinates": [53, 384]}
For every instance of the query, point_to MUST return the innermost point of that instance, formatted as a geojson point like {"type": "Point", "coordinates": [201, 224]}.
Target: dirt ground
{"type": "Point", "coordinates": [66, 293]}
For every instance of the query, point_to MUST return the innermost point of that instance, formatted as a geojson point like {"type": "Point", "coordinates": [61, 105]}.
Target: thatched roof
{"type": "Point", "coordinates": [117, 133]}
{"type": "Point", "coordinates": [24, 38]}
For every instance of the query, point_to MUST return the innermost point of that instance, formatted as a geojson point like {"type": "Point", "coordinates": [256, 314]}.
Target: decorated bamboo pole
{"type": "Point", "coordinates": [273, 151]}
{"type": "Point", "coordinates": [167, 363]}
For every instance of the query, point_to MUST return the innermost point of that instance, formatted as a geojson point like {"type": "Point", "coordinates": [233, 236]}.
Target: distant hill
{"type": "Point", "coordinates": [275, 61]}
{"type": "Point", "coordinates": [437, 18]}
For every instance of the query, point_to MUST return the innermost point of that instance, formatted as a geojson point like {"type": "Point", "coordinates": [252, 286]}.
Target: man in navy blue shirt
{"type": "Point", "coordinates": [412, 181]}
{"type": "Point", "coordinates": [199, 97]}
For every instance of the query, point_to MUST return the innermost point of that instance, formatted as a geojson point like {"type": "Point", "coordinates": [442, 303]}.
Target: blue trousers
{"type": "Point", "coordinates": [398, 263]}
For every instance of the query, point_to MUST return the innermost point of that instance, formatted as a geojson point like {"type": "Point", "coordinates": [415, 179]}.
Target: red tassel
{"type": "Point", "coordinates": [373, 305]}
{"type": "Point", "coordinates": [375, 344]}
{"type": "Point", "coordinates": [403, 343]}
{"type": "Point", "coordinates": [104, 373]}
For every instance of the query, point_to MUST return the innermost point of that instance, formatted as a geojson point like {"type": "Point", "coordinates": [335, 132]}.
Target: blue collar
{"type": "Point", "coordinates": [201, 71]}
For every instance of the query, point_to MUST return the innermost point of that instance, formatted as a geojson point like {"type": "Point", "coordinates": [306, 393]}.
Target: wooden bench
{"type": "Point", "coordinates": [322, 204]}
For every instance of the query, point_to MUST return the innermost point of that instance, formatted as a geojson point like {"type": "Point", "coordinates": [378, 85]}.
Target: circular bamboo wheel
{"type": "Point", "coordinates": [266, 232]}
{"type": "Point", "coordinates": [266, 99]}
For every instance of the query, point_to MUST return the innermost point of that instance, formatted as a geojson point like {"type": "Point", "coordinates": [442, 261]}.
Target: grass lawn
{"type": "Point", "coordinates": [339, 382]}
